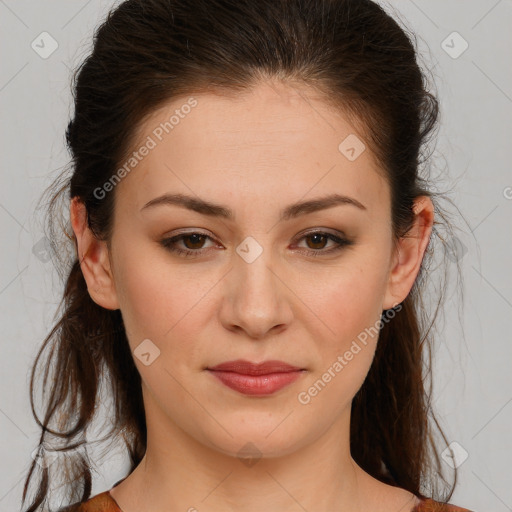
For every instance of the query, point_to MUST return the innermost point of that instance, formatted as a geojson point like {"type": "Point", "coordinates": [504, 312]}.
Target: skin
{"type": "Point", "coordinates": [255, 154]}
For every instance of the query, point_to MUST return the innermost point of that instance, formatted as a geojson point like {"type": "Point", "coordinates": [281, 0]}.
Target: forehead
{"type": "Point", "coordinates": [273, 144]}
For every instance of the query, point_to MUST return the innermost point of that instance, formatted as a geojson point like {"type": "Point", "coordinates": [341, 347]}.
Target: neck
{"type": "Point", "coordinates": [180, 473]}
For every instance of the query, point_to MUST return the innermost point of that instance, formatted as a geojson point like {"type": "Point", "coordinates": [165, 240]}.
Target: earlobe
{"type": "Point", "coordinates": [409, 254]}
{"type": "Point", "coordinates": [93, 255]}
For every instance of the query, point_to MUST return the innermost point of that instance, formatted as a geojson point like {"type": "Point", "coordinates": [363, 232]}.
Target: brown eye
{"type": "Point", "coordinates": [193, 243]}
{"type": "Point", "coordinates": [197, 240]}
{"type": "Point", "coordinates": [319, 240]}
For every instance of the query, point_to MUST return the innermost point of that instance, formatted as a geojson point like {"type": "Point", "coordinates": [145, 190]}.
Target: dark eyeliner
{"type": "Point", "coordinates": [168, 244]}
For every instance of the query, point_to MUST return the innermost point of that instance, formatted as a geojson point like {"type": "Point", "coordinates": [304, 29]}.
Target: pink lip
{"type": "Point", "coordinates": [256, 379]}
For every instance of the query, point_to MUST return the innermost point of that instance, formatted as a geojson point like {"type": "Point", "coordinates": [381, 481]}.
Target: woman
{"type": "Point", "coordinates": [251, 232]}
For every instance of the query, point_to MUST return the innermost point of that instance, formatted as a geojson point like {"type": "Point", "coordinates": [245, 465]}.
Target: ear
{"type": "Point", "coordinates": [94, 259]}
{"type": "Point", "coordinates": [407, 257]}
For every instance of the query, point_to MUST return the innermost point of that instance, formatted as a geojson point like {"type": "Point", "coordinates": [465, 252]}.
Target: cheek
{"type": "Point", "coordinates": [347, 298]}
{"type": "Point", "coordinates": [150, 296]}
{"type": "Point", "coordinates": [346, 339]}
{"type": "Point", "coordinates": [164, 303]}
{"type": "Point", "coordinates": [347, 306]}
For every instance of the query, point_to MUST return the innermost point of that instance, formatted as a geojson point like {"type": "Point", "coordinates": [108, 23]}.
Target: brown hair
{"type": "Point", "coordinates": [146, 53]}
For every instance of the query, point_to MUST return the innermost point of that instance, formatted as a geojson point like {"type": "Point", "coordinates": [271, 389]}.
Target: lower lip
{"type": "Point", "coordinates": [256, 384]}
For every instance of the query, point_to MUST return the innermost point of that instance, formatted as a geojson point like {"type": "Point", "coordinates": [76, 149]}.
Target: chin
{"type": "Point", "coordinates": [267, 439]}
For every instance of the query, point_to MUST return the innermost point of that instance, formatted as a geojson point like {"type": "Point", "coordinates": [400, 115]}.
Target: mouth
{"type": "Point", "coordinates": [256, 379]}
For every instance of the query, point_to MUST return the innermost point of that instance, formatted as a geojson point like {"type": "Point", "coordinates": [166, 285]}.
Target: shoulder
{"type": "Point", "coordinates": [429, 505]}
{"type": "Point", "coordinates": [102, 502]}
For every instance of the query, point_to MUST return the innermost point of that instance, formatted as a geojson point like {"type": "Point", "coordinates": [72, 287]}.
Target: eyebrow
{"type": "Point", "coordinates": [216, 210]}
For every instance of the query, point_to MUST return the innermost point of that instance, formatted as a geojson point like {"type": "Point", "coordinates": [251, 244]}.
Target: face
{"type": "Point", "coordinates": [197, 288]}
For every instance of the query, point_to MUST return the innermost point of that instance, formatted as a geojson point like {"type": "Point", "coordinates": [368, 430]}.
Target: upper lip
{"type": "Point", "coordinates": [247, 368]}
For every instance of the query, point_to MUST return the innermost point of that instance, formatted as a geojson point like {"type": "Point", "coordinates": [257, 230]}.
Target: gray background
{"type": "Point", "coordinates": [472, 378]}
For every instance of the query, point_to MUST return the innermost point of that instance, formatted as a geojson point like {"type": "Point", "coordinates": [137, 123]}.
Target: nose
{"type": "Point", "coordinates": [257, 299]}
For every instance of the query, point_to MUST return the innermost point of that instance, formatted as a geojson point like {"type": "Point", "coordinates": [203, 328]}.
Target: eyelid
{"type": "Point", "coordinates": [341, 241]}
{"type": "Point", "coordinates": [326, 231]}
{"type": "Point", "coordinates": [302, 234]}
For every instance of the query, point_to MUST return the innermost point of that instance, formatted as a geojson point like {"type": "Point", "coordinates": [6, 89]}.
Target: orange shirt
{"type": "Point", "coordinates": [104, 502]}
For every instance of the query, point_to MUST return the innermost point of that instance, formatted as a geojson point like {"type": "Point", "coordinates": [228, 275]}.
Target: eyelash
{"type": "Point", "coordinates": [168, 243]}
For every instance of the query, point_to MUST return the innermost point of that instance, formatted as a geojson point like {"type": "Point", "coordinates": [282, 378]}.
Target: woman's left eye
{"type": "Point", "coordinates": [195, 239]}
{"type": "Point", "coordinates": [320, 237]}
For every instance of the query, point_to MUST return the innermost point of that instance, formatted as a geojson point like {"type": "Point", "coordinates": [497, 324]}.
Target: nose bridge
{"type": "Point", "coordinates": [258, 301]}
{"type": "Point", "coordinates": [254, 269]}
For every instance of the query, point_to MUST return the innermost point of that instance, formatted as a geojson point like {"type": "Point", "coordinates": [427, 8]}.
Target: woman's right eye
{"type": "Point", "coordinates": [197, 238]}
{"type": "Point", "coordinates": [194, 239]}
